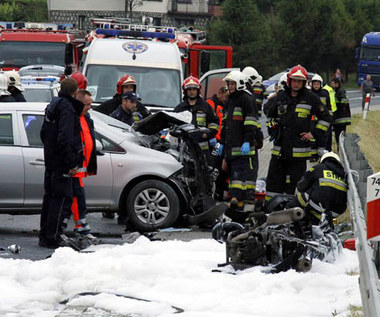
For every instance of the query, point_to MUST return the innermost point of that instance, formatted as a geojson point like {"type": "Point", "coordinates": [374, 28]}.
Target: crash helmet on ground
{"type": "Point", "coordinates": [238, 77]}
{"type": "Point", "coordinates": [316, 77]}
{"type": "Point", "coordinates": [191, 82]}
{"type": "Point", "coordinates": [222, 229]}
{"type": "Point", "coordinates": [297, 72]}
{"type": "Point", "coordinates": [80, 79]}
{"type": "Point", "coordinates": [331, 155]}
{"type": "Point", "coordinates": [14, 79]}
{"type": "Point", "coordinates": [125, 80]}
{"type": "Point", "coordinates": [252, 74]}
{"type": "Point", "coordinates": [4, 85]}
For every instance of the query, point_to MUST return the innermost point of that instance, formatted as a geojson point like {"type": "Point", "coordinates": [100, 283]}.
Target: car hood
{"type": "Point", "coordinates": [161, 120]}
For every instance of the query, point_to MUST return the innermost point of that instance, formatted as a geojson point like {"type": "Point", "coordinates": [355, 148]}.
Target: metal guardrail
{"type": "Point", "coordinates": [369, 278]}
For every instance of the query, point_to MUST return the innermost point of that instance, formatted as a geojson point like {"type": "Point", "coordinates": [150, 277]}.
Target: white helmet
{"type": "Point", "coordinates": [282, 81]}
{"type": "Point", "coordinates": [252, 74]}
{"type": "Point", "coordinates": [316, 77]}
{"type": "Point", "coordinates": [14, 79]}
{"type": "Point", "coordinates": [238, 77]}
{"type": "Point", "coordinates": [4, 85]}
{"type": "Point", "coordinates": [331, 155]}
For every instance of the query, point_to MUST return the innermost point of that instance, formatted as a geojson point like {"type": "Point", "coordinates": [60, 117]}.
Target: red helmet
{"type": "Point", "coordinates": [297, 72]}
{"type": "Point", "coordinates": [80, 79]}
{"type": "Point", "coordinates": [125, 80]}
{"type": "Point", "coordinates": [191, 82]}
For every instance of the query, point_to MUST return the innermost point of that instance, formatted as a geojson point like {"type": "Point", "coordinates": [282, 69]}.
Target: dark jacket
{"type": "Point", "coordinates": [294, 116]}
{"type": "Point", "coordinates": [342, 115]}
{"type": "Point", "coordinates": [202, 115]}
{"type": "Point", "coordinates": [259, 93]}
{"type": "Point", "coordinates": [17, 94]}
{"type": "Point", "coordinates": [239, 124]}
{"type": "Point", "coordinates": [125, 116]}
{"type": "Point", "coordinates": [111, 105]}
{"type": "Point", "coordinates": [7, 99]}
{"type": "Point", "coordinates": [324, 188]}
{"type": "Point", "coordinates": [59, 133]}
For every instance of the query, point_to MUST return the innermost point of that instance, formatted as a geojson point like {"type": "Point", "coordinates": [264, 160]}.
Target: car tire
{"type": "Point", "coordinates": [152, 205]}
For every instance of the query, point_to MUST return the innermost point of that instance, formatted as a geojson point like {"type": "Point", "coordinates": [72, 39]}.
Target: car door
{"type": "Point", "coordinates": [11, 162]}
{"type": "Point", "coordinates": [30, 123]}
{"type": "Point", "coordinates": [98, 188]}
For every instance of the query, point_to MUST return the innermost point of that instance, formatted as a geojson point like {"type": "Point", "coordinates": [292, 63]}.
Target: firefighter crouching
{"type": "Point", "coordinates": [237, 143]}
{"type": "Point", "coordinates": [322, 190]}
{"type": "Point", "coordinates": [293, 109]}
{"type": "Point", "coordinates": [203, 116]}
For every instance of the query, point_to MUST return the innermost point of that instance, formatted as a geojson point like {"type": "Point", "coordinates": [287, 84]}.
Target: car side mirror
{"type": "Point", "coordinates": [99, 148]}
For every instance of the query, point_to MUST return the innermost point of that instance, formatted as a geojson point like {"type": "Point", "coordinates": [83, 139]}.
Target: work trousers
{"type": "Point", "coordinates": [283, 175]}
{"type": "Point", "coordinates": [56, 205]}
{"type": "Point", "coordinates": [242, 178]}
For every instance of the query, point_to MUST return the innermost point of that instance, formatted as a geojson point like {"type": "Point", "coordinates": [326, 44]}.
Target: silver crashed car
{"type": "Point", "coordinates": [138, 174]}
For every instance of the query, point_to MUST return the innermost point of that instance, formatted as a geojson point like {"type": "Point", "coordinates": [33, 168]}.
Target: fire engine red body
{"type": "Point", "coordinates": [69, 50]}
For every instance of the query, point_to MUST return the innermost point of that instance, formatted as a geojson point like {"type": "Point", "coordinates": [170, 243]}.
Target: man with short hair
{"type": "Point", "coordinates": [127, 110]}
{"type": "Point", "coordinates": [367, 88]}
{"type": "Point", "coordinates": [217, 104]}
{"type": "Point", "coordinates": [62, 156]}
{"type": "Point", "coordinates": [342, 112]}
{"type": "Point", "coordinates": [87, 167]}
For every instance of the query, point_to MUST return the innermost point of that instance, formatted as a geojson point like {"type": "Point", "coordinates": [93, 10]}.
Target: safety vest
{"type": "Point", "coordinates": [331, 92]}
{"type": "Point", "coordinates": [219, 113]}
{"type": "Point", "coordinates": [88, 146]}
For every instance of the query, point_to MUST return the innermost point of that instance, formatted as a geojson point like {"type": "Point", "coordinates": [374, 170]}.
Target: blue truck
{"type": "Point", "coordinates": [368, 56]}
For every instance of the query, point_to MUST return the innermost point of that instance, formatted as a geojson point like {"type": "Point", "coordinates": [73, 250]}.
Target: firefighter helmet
{"type": "Point", "coordinates": [238, 77]}
{"type": "Point", "coordinates": [222, 229]}
{"type": "Point", "coordinates": [14, 79]}
{"type": "Point", "coordinates": [125, 80]}
{"type": "Point", "coordinates": [80, 79]}
{"type": "Point", "coordinates": [191, 82]}
{"type": "Point", "coordinates": [297, 72]}
{"type": "Point", "coordinates": [4, 85]}
{"type": "Point", "coordinates": [331, 155]}
{"type": "Point", "coordinates": [252, 74]}
{"type": "Point", "coordinates": [282, 82]}
{"type": "Point", "coordinates": [316, 77]}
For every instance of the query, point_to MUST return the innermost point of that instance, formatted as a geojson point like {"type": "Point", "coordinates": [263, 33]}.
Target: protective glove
{"type": "Point", "coordinates": [220, 149]}
{"type": "Point", "coordinates": [245, 148]}
{"type": "Point", "coordinates": [213, 142]}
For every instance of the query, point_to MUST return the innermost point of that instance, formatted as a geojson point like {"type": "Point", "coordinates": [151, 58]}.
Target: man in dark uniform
{"type": "Point", "coordinates": [127, 110]}
{"type": "Point", "coordinates": [14, 85]}
{"type": "Point", "coordinates": [293, 109]}
{"type": "Point", "coordinates": [237, 143]}
{"type": "Point", "coordinates": [202, 113]}
{"type": "Point", "coordinates": [62, 157]}
{"type": "Point", "coordinates": [323, 94]}
{"type": "Point", "coordinates": [322, 190]}
{"type": "Point", "coordinates": [342, 113]}
{"type": "Point", "coordinates": [126, 83]}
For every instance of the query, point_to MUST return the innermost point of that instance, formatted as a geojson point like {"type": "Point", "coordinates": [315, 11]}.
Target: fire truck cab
{"type": "Point", "coordinates": [23, 47]}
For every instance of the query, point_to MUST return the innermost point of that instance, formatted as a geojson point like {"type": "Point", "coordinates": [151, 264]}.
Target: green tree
{"type": "Point", "coordinates": [246, 29]}
{"type": "Point", "coordinates": [23, 10]}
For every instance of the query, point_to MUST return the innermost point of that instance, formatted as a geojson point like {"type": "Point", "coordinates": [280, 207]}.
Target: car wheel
{"type": "Point", "coordinates": [152, 205]}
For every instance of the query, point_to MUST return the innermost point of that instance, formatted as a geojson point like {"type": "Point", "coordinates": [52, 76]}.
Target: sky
{"type": "Point", "coordinates": [172, 273]}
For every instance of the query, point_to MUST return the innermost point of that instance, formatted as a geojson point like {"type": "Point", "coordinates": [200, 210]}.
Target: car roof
{"type": "Point", "coordinates": [21, 106]}
{"type": "Point", "coordinates": [39, 86]}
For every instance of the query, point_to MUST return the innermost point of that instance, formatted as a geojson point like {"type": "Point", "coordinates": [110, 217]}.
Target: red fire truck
{"type": "Point", "coordinates": [22, 47]}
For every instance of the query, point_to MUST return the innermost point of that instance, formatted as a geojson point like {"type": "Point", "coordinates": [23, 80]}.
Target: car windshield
{"type": "Point", "coordinates": [37, 95]}
{"type": "Point", "coordinates": [276, 77]}
{"type": "Point", "coordinates": [155, 86]}
{"type": "Point", "coordinates": [370, 53]}
{"type": "Point", "coordinates": [112, 122]}
{"type": "Point", "coordinates": [19, 54]}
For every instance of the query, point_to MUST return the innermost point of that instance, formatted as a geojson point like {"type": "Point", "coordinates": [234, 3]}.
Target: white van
{"type": "Point", "coordinates": [155, 65]}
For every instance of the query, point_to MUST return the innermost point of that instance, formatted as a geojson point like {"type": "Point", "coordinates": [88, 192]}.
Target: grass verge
{"type": "Point", "coordinates": [368, 130]}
